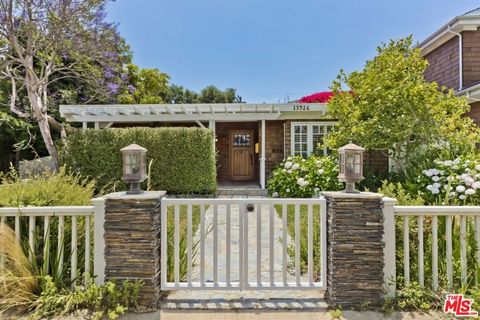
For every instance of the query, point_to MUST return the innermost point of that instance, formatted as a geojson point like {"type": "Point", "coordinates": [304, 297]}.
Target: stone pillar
{"type": "Point", "coordinates": [355, 257]}
{"type": "Point", "coordinates": [131, 240]}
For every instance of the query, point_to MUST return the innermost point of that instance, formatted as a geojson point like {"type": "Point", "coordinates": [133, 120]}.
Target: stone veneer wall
{"type": "Point", "coordinates": [355, 258]}
{"type": "Point", "coordinates": [131, 241]}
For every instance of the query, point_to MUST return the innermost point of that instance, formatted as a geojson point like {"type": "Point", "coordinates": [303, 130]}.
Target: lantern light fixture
{"type": "Point", "coordinates": [134, 167]}
{"type": "Point", "coordinates": [350, 158]}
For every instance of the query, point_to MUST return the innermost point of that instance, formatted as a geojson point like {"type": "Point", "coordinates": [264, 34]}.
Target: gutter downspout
{"type": "Point", "coordinates": [460, 57]}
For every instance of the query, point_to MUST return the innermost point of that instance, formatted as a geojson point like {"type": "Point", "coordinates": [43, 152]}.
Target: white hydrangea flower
{"type": "Point", "coordinates": [429, 187]}
{"type": "Point", "coordinates": [275, 195]}
{"type": "Point", "coordinates": [288, 165]}
{"type": "Point", "coordinates": [456, 161]}
{"type": "Point", "coordinates": [435, 191]}
{"type": "Point", "coordinates": [429, 172]}
{"type": "Point", "coordinates": [476, 185]}
{"type": "Point", "coordinates": [288, 190]}
{"type": "Point", "coordinates": [454, 167]}
{"type": "Point", "coordinates": [303, 160]}
{"type": "Point", "coordinates": [438, 161]}
{"type": "Point", "coordinates": [424, 172]}
{"type": "Point", "coordinates": [295, 166]}
{"type": "Point", "coordinates": [462, 197]}
{"type": "Point", "coordinates": [289, 171]}
{"type": "Point", "coordinates": [436, 185]}
{"type": "Point", "coordinates": [452, 194]}
{"type": "Point", "coordinates": [300, 181]}
{"type": "Point", "coordinates": [477, 167]}
{"type": "Point", "coordinates": [447, 163]}
{"type": "Point", "coordinates": [460, 189]}
{"type": "Point", "coordinates": [469, 181]}
{"type": "Point", "coordinates": [467, 170]}
{"type": "Point", "coordinates": [435, 178]}
{"type": "Point", "coordinates": [321, 171]}
{"type": "Point", "coordinates": [470, 192]}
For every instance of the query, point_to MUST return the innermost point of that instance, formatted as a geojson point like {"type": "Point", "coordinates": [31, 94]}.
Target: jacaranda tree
{"type": "Point", "coordinates": [46, 41]}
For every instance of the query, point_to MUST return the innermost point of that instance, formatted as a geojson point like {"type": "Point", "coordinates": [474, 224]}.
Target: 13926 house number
{"type": "Point", "coordinates": [298, 107]}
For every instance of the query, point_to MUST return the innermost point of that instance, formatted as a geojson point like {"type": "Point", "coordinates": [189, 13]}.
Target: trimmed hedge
{"type": "Point", "coordinates": [183, 160]}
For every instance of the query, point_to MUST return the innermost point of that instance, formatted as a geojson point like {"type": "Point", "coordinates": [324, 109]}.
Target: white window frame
{"type": "Point", "coordinates": [309, 125]}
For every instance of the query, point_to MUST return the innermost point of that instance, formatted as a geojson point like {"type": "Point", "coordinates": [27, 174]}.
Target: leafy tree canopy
{"type": "Point", "coordinates": [390, 106]}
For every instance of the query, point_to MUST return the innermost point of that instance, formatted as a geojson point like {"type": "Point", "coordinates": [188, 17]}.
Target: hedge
{"type": "Point", "coordinates": [183, 160]}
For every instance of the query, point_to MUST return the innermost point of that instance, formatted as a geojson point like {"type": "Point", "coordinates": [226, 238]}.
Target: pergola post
{"type": "Point", "coordinates": [262, 157]}
{"type": "Point", "coordinates": [211, 125]}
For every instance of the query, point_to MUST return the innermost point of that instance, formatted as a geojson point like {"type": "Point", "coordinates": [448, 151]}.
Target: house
{"type": "Point", "coordinates": [250, 138]}
{"type": "Point", "coordinates": [453, 53]}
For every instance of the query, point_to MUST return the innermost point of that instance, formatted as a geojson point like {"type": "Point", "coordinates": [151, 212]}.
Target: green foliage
{"type": "Point", "coordinates": [144, 86]}
{"type": "Point", "coordinates": [210, 94]}
{"type": "Point", "coordinates": [303, 178]}
{"type": "Point", "coordinates": [390, 106]}
{"type": "Point", "coordinates": [58, 189]}
{"type": "Point", "coordinates": [397, 191]}
{"type": "Point", "coordinates": [183, 160]}
{"type": "Point", "coordinates": [414, 297]}
{"type": "Point", "coordinates": [109, 300]}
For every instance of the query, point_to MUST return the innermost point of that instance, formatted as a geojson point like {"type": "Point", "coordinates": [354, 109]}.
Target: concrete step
{"type": "Point", "coordinates": [245, 304]}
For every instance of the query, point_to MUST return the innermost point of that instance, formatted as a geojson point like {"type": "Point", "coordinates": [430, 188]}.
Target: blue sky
{"type": "Point", "coordinates": [270, 50]}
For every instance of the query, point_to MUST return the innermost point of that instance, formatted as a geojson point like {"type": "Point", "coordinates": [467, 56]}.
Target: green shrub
{"type": "Point", "coordinates": [110, 299]}
{"type": "Point", "coordinates": [59, 189]}
{"type": "Point", "coordinates": [297, 177]}
{"type": "Point", "coordinates": [182, 158]}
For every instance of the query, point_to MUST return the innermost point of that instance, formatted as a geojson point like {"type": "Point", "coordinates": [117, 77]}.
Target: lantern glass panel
{"type": "Point", "coordinates": [342, 163]}
{"type": "Point", "coordinates": [349, 163]}
{"type": "Point", "coordinates": [132, 163]}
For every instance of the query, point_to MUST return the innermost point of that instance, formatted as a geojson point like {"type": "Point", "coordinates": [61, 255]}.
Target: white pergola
{"type": "Point", "coordinates": [104, 116]}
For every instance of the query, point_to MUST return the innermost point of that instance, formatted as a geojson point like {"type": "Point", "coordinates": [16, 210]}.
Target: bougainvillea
{"type": "Point", "coordinates": [319, 97]}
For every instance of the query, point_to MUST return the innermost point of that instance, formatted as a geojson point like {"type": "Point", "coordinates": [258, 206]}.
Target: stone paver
{"type": "Point", "coordinates": [235, 216]}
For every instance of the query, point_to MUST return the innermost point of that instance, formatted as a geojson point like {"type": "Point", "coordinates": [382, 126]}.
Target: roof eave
{"type": "Point", "coordinates": [448, 31]}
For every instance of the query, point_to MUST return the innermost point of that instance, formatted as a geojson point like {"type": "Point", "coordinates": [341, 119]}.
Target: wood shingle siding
{"type": "Point", "coordinates": [471, 58]}
{"type": "Point", "coordinates": [444, 65]}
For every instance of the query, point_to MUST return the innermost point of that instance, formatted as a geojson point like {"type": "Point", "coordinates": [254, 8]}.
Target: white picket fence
{"type": "Point", "coordinates": [427, 217]}
{"type": "Point", "coordinates": [45, 216]}
{"type": "Point", "coordinates": [250, 225]}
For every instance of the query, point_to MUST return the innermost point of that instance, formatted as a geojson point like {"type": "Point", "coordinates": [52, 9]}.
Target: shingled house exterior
{"type": "Point", "coordinates": [453, 53]}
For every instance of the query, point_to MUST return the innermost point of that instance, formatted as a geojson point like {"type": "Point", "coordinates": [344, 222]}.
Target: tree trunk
{"type": "Point", "coordinates": [40, 113]}
{"type": "Point", "coordinates": [47, 139]}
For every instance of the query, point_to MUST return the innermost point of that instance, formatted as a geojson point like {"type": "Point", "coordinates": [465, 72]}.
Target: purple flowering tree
{"type": "Point", "coordinates": [46, 41]}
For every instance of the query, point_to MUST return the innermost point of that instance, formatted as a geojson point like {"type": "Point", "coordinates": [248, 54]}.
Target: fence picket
{"type": "Point", "coordinates": [215, 244]}
{"type": "Point", "coordinates": [272, 244]}
{"type": "Point", "coordinates": [420, 252]}
{"type": "Point", "coordinates": [258, 211]}
{"type": "Point", "coordinates": [448, 231]}
{"type": "Point", "coordinates": [189, 245]}
{"type": "Point", "coordinates": [73, 266]}
{"type": "Point", "coordinates": [31, 238]}
{"type": "Point", "coordinates": [46, 242]}
{"type": "Point", "coordinates": [176, 239]}
{"type": "Point", "coordinates": [284, 243]}
{"type": "Point", "coordinates": [435, 253]}
{"type": "Point", "coordinates": [202, 244]}
{"type": "Point", "coordinates": [227, 246]}
{"type": "Point", "coordinates": [87, 249]}
{"type": "Point", "coordinates": [310, 244]}
{"type": "Point", "coordinates": [297, 244]}
{"type": "Point", "coordinates": [406, 251]}
{"type": "Point", "coordinates": [463, 249]}
{"type": "Point", "coordinates": [60, 242]}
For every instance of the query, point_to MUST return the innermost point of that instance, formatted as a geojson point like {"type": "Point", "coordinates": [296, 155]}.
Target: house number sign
{"type": "Point", "coordinates": [301, 107]}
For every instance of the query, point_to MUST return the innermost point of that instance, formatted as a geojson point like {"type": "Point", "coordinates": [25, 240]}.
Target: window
{"type": "Point", "coordinates": [308, 137]}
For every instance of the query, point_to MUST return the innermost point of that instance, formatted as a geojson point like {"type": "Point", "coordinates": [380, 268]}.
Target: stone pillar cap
{"type": "Point", "coordinates": [344, 195]}
{"type": "Point", "coordinates": [146, 195]}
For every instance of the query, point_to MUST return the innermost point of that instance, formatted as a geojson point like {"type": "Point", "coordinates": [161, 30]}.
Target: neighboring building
{"type": "Point", "coordinates": [250, 138]}
{"type": "Point", "coordinates": [453, 52]}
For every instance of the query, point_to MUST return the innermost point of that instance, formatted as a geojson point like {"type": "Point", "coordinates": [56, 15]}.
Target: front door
{"type": "Point", "coordinates": [241, 155]}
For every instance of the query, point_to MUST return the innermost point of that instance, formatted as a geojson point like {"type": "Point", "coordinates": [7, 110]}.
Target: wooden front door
{"type": "Point", "coordinates": [242, 155]}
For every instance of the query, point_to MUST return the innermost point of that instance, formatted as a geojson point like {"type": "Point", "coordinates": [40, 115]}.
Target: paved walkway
{"type": "Point", "coordinates": [252, 259]}
{"type": "Point", "coordinates": [278, 315]}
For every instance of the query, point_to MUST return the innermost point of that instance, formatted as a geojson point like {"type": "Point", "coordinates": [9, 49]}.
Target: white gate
{"type": "Point", "coordinates": [242, 243]}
